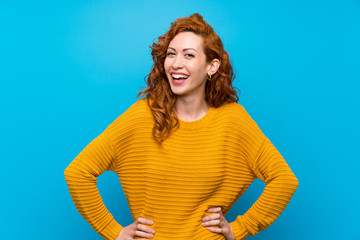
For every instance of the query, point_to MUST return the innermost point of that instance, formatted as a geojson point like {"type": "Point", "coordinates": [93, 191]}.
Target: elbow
{"type": "Point", "coordinates": [70, 173]}
{"type": "Point", "coordinates": [76, 172]}
{"type": "Point", "coordinates": [67, 173]}
{"type": "Point", "coordinates": [293, 182]}
{"type": "Point", "coordinates": [288, 180]}
{"type": "Point", "coordinates": [296, 182]}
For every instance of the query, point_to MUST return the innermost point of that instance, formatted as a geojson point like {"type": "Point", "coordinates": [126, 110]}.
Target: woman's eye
{"type": "Point", "coordinates": [190, 55]}
{"type": "Point", "coordinates": [170, 54]}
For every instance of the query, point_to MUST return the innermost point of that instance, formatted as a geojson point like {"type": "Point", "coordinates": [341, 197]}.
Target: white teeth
{"type": "Point", "coordinates": [178, 76]}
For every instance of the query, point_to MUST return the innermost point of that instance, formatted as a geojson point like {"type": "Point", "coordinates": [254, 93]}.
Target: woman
{"type": "Point", "coordinates": [186, 152]}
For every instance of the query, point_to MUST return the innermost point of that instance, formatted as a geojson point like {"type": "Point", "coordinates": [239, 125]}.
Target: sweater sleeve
{"type": "Point", "coordinates": [80, 176]}
{"type": "Point", "coordinates": [281, 183]}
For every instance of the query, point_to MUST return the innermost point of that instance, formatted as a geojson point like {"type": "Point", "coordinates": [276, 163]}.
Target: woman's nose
{"type": "Point", "coordinates": [178, 62]}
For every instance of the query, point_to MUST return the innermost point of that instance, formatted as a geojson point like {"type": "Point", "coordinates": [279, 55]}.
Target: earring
{"type": "Point", "coordinates": [208, 77]}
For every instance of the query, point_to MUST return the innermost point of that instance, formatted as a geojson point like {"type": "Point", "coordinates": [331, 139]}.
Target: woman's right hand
{"type": "Point", "coordinates": [137, 229]}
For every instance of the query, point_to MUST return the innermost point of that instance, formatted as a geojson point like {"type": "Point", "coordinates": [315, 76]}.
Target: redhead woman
{"type": "Point", "coordinates": [185, 152]}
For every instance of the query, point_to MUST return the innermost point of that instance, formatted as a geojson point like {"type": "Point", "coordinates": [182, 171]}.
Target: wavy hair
{"type": "Point", "coordinates": [161, 99]}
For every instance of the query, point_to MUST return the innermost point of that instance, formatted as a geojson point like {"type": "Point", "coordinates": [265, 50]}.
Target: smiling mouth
{"type": "Point", "coordinates": [179, 77]}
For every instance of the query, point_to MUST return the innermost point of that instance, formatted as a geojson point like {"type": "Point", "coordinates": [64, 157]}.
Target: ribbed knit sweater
{"type": "Point", "coordinates": [205, 163]}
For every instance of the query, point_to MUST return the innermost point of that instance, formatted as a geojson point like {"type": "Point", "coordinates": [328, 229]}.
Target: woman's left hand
{"type": "Point", "coordinates": [218, 219]}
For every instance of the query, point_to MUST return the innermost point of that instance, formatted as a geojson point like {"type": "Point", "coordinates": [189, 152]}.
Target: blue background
{"type": "Point", "coordinates": [69, 68]}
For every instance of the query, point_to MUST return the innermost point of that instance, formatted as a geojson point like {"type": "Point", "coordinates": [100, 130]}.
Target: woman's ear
{"type": "Point", "coordinates": [213, 66]}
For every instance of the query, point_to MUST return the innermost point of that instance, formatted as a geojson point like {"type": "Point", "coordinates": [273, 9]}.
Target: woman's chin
{"type": "Point", "coordinates": [178, 93]}
{"type": "Point", "coordinates": [177, 90]}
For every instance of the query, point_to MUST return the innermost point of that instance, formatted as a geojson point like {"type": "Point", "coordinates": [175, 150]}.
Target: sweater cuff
{"type": "Point", "coordinates": [111, 231]}
{"type": "Point", "coordinates": [239, 230]}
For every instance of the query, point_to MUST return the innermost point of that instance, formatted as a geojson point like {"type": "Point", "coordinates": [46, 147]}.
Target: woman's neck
{"type": "Point", "coordinates": [189, 110]}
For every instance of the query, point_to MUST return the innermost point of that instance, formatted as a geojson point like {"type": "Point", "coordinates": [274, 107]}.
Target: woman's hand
{"type": "Point", "coordinates": [218, 219]}
{"type": "Point", "coordinates": [137, 229]}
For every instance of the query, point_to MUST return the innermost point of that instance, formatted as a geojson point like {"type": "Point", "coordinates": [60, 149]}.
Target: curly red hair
{"type": "Point", "coordinates": [158, 93]}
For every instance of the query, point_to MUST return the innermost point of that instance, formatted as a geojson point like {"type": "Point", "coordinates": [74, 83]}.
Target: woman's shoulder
{"type": "Point", "coordinates": [139, 107]}
{"type": "Point", "coordinates": [232, 110]}
{"type": "Point", "coordinates": [236, 116]}
{"type": "Point", "coordinates": [137, 113]}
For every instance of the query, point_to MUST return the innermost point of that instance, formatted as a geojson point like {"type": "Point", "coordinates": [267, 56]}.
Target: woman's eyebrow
{"type": "Point", "coordinates": [185, 49]}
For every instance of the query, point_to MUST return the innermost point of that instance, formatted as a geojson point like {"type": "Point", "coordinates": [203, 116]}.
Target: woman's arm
{"type": "Point", "coordinates": [281, 184]}
{"type": "Point", "coordinates": [80, 176]}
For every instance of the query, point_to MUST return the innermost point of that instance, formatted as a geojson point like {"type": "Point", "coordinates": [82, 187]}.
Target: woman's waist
{"type": "Point", "coordinates": [182, 231]}
{"type": "Point", "coordinates": [179, 223]}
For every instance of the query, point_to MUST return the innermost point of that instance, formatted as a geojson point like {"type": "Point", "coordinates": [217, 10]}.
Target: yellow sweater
{"type": "Point", "coordinates": [206, 163]}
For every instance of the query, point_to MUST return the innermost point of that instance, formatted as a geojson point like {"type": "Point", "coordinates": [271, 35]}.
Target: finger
{"type": "Point", "coordinates": [145, 221]}
{"type": "Point", "coordinates": [145, 229]}
{"type": "Point", "coordinates": [139, 233]}
{"type": "Point", "coordinates": [214, 210]}
{"type": "Point", "coordinates": [211, 217]}
{"type": "Point", "coordinates": [214, 230]}
{"type": "Point", "coordinates": [211, 223]}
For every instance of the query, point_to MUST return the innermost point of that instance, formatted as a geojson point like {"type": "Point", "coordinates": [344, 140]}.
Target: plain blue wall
{"type": "Point", "coordinates": [69, 68]}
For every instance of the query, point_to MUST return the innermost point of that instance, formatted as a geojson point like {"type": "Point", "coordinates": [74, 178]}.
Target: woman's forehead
{"type": "Point", "coordinates": [187, 41]}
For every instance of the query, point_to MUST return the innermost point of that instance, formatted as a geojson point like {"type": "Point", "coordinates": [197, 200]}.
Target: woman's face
{"type": "Point", "coordinates": [185, 65]}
